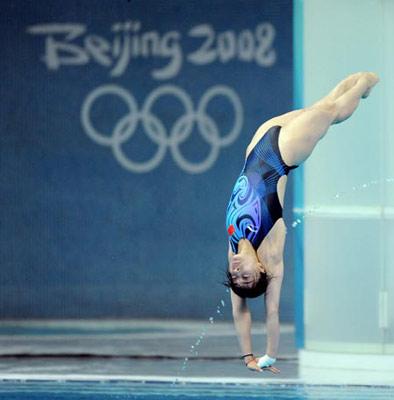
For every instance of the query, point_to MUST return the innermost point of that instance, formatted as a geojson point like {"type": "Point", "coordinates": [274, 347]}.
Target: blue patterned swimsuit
{"type": "Point", "coordinates": [254, 205]}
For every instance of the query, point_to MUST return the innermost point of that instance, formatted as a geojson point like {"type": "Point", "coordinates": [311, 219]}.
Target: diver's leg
{"type": "Point", "coordinates": [347, 94]}
{"type": "Point", "coordinates": [299, 137]}
{"type": "Point", "coordinates": [280, 120]}
{"type": "Point", "coordinates": [352, 80]}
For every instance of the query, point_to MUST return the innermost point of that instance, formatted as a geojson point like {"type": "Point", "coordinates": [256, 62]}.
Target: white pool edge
{"type": "Point", "coordinates": [344, 368]}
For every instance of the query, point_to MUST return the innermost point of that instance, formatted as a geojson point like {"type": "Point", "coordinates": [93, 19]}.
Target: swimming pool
{"type": "Point", "coordinates": [154, 390]}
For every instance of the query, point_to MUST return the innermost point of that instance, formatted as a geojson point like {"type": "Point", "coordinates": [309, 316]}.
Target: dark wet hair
{"type": "Point", "coordinates": [257, 290]}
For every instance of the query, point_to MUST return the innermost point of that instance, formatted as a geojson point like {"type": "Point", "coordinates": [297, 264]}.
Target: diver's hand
{"type": "Point", "coordinates": [271, 368]}
{"type": "Point", "coordinates": [253, 366]}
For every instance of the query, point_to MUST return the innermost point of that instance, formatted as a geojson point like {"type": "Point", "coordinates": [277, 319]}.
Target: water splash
{"type": "Point", "coordinates": [184, 363]}
{"type": "Point", "coordinates": [339, 195]}
{"type": "Point", "coordinates": [194, 348]}
{"type": "Point", "coordinates": [296, 222]}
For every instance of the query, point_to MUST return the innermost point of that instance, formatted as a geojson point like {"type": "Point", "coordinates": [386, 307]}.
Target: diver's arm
{"type": "Point", "coordinates": [243, 324]}
{"type": "Point", "coordinates": [272, 299]}
{"type": "Point", "coordinates": [242, 318]}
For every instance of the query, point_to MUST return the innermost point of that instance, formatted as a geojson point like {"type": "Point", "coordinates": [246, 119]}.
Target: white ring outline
{"type": "Point", "coordinates": [156, 130]}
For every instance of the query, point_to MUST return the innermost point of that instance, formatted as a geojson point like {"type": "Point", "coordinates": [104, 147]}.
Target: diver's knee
{"type": "Point", "coordinates": [329, 108]}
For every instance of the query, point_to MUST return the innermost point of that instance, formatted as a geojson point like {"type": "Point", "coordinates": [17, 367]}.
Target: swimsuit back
{"type": "Point", "coordinates": [254, 205]}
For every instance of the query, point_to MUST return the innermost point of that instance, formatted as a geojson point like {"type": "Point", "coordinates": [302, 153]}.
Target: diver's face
{"type": "Point", "coordinates": [245, 270]}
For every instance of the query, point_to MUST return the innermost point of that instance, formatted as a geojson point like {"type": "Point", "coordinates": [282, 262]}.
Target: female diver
{"type": "Point", "coordinates": [254, 214]}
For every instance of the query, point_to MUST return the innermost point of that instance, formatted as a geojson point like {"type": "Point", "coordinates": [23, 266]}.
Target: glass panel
{"type": "Point", "coordinates": [388, 172]}
{"type": "Point", "coordinates": [342, 283]}
{"type": "Point", "coordinates": [346, 265]}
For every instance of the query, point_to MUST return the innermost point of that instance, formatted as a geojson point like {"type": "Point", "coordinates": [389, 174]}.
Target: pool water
{"type": "Point", "coordinates": [43, 390]}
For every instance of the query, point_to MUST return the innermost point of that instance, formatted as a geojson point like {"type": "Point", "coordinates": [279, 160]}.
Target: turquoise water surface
{"type": "Point", "coordinates": [44, 390]}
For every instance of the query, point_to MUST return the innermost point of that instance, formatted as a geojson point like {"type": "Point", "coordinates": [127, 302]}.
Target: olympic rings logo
{"type": "Point", "coordinates": [156, 130]}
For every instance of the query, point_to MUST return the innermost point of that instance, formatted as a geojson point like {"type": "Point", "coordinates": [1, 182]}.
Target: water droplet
{"type": "Point", "coordinates": [365, 185]}
{"type": "Point", "coordinates": [192, 347]}
{"type": "Point", "coordinates": [298, 220]}
{"type": "Point", "coordinates": [222, 302]}
{"type": "Point", "coordinates": [294, 224]}
{"type": "Point", "coordinates": [337, 196]}
{"type": "Point", "coordinates": [211, 320]}
{"type": "Point", "coordinates": [227, 290]}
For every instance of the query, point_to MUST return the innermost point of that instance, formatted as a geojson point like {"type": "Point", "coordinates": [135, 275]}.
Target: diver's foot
{"type": "Point", "coordinates": [372, 80]}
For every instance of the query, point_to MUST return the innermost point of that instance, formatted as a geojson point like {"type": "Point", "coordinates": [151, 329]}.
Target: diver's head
{"type": "Point", "coordinates": [246, 275]}
{"type": "Point", "coordinates": [255, 290]}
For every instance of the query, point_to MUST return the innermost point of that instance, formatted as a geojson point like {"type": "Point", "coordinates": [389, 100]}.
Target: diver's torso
{"type": "Point", "coordinates": [254, 205]}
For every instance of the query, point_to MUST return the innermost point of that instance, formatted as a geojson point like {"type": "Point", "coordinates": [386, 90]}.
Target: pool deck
{"type": "Point", "coordinates": [153, 350]}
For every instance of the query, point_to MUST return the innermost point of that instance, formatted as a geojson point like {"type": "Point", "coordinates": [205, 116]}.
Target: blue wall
{"type": "Point", "coordinates": [114, 194]}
